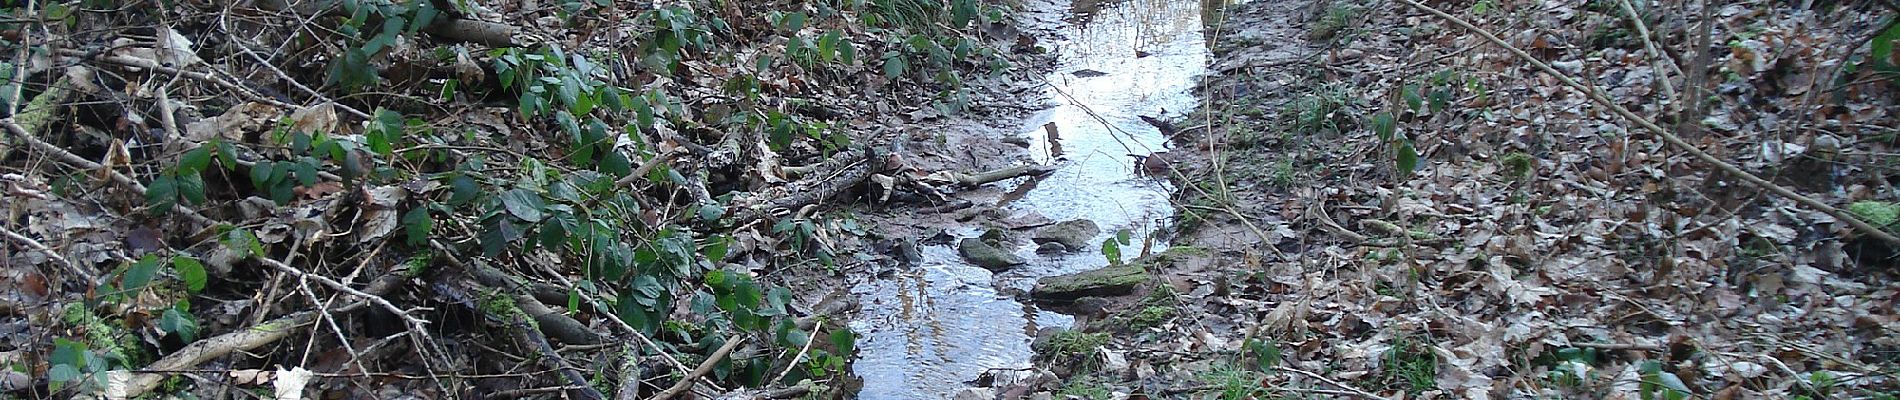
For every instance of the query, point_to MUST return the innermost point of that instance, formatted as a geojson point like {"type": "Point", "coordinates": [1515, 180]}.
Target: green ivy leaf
{"type": "Point", "coordinates": [227, 155]}
{"type": "Point", "coordinates": [462, 189]}
{"type": "Point", "coordinates": [1384, 125]}
{"type": "Point", "coordinates": [162, 194]}
{"type": "Point", "coordinates": [1408, 158]}
{"type": "Point", "coordinates": [524, 204]}
{"type": "Point", "coordinates": [192, 187]}
{"type": "Point", "coordinates": [139, 274]}
{"type": "Point", "coordinates": [191, 271]}
{"type": "Point", "coordinates": [417, 223]}
{"type": "Point", "coordinates": [195, 160]}
{"type": "Point", "coordinates": [894, 66]}
{"type": "Point", "coordinates": [179, 323]}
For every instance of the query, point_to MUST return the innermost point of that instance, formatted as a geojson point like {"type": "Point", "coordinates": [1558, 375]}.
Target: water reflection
{"type": "Point", "coordinates": [926, 331]}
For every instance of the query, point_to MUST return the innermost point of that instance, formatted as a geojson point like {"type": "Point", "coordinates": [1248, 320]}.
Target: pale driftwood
{"type": "Point", "coordinates": [686, 382]}
{"type": "Point", "coordinates": [218, 346]}
{"type": "Point", "coordinates": [1598, 97]}
{"type": "Point", "coordinates": [981, 178]}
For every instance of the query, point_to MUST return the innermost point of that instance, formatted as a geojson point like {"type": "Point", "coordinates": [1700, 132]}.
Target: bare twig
{"type": "Point", "coordinates": [19, 64]}
{"type": "Point", "coordinates": [36, 245]}
{"type": "Point", "coordinates": [1659, 59]}
{"type": "Point", "coordinates": [1617, 346]}
{"type": "Point", "coordinates": [1349, 389]}
{"type": "Point", "coordinates": [648, 166]}
{"type": "Point", "coordinates": [136, 62]}
{"type": "Point", "coordinates": [1667, 136]}
{"type": "Point", "coordinates": [82, 162]}
{"type": "Point", "coordinates": [415, 324]}
{"type": "Point", "coordinates": [704, 367]}
{"type": "Point", "coordinates": [794, 364]}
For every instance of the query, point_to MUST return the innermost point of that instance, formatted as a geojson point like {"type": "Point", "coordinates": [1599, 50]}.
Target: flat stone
{"type": "Point", "coordinates": [987, 256]}
{"type": "Point", "coordinates": [1109, 281]}
{"type": "Point", "coordinates": [1074, 234]}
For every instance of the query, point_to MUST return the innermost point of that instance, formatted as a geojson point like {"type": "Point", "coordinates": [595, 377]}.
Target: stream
{"type": "Point", "coordinates": [927, 332]}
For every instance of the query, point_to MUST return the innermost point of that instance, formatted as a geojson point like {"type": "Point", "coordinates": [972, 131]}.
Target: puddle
{"type": "Point", "coordinates": [925, 332]}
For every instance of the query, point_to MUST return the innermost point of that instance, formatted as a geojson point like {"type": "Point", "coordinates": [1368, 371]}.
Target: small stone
{"type": "Point", "coordinates": [1073, 234]}
{"type": "Point", "coordinates": [987, 256]}
{"type": "Point", "coordinates": [1052, 248]}
{"type": "Point", "coordinates": [975, 394]}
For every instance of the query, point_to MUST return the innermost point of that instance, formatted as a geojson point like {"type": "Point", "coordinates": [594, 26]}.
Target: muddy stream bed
{"type": "Point", "coordinates": [928, 330]}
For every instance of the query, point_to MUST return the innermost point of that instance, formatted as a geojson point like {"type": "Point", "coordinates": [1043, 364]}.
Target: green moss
{"type": "Point", "coordinates": [1151, 316]}
{"type": "Point", "coordinates": [1878, 213]}
{"type": "Point", "coordinates": [501, 306]}
{"type": "Point", "coordinates": [1517, 165]}
{"type": "Point", "coordinates": [1067, 344]}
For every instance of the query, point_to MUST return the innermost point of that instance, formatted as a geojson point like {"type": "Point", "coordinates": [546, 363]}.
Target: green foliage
{"type": "Point", "coordinates": [372, 26]}
{"type": "Point", "coordinates": [1266, 354]}
{"type": "Point", "coordinates": [1410, 365]}
{"type": "Point", "coordinates": [1880, 57]}
{"type": "Point", "coordinates": [1069, 344]}
{"type": "Point", "coordinates": [1518, 165]}
{"type": "Point", "coordinates": [1878, 213]}
{"type": "Point", "coordinates": [1235, 383]}
{"type": "Point", "coordinates": [1338, 17]}
{"type": "Point", "coordinates": [1658, 384]}
{"type": "Point", "coordinates": [1328, 109]}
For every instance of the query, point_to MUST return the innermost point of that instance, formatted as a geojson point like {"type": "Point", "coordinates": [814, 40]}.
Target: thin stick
{"type": "Point", "coordinates": [41, 247]}
{"type": "Point", "coordinates": [1671, 138]}
{"type": "Point", "coordinates": [20, 61]}
{"type": "Point", "coordinates": [82, 162]}
{"type": "Point", "coordinates": [704, 367]}
{"type": "Point", "coordinates": [794, 363]}
{"type": "Point", "coordinates": [1642, 29]}
{"type": "Point", "coordinates": [1349, 389]}
{"type": "Point", "coordinates": [414, 323]}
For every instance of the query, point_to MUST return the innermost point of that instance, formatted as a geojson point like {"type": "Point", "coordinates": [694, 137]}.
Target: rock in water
{"type": "Point", "coordinates": [987, 256]}
{"type": "Point", "coordinates": [1110, 281]}
{"type": "Point", "coordinates": [1073, 234]}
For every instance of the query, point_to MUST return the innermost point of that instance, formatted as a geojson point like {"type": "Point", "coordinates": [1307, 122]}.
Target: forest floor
{"type": "Point", "coordinates": [1376, 202]}
{"type": "Point", "coordinates": [602, 199]}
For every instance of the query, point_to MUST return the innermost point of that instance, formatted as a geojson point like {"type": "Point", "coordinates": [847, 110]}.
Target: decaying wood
{"type": "Point", "coordinates": [552, 323]}
{"type": "Point", "coordinates": [1598, 97]}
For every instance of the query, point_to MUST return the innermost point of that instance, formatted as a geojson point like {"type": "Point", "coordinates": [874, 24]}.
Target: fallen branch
{"type": "Point", "coordinates": [218, 346]}
{"type": "Point", "coordinates": [214, 80]}
{"type": "Point", "coordinates": [704, 367]}
{"type": "Point", "coordinates": [66, 156]}
{"type": "Point", "coordinates": [1598, 97]}
{"type": "Point", "coordinates": [981, 178]}
{"type": "Point", "coordinates": [50, 254]}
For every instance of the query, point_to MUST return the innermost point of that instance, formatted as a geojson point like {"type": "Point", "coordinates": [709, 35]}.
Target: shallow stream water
{"type": "Point", "coordinates": [928, 331]}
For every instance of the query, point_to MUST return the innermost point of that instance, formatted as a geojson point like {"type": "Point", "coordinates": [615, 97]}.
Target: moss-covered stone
{"type": "Point", "coordinates": [1110, 281]}
{"type": "Point", "coordinates": [1074, 234]}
